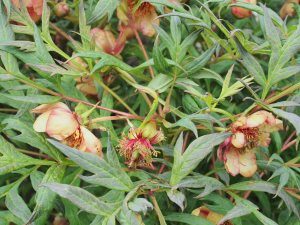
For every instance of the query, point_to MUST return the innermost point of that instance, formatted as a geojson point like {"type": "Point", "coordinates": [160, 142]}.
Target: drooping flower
{"type": "Point", "coordinates": [242, 12]}
{"type": "Point", "coordinates": [137, 147]}
{"type": "Point", "coordinates": [59, 122]}
{"type": "Point", "coordinates": [238, 151]}
{"type": "Point", "coordinates": [105, 41]}
{"type": "Point", "coordinates": [288, 9]}
{"type": "Point", "coordinates": [34, 7]}
{"type": "Point", "coordinates": [141, 19]}
{"type": "Point", "coordinates": [210, 215]}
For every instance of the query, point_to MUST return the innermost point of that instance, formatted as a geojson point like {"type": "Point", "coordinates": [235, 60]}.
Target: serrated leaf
{"type": "Point", "coordinates": [17, 206]}
{"type": "Point", "coordinates": [81, 198]}
{"type": "Point", "coordinates": [178, 198]}
{"type": "Point", "coordinates": [106, 175]}
{"type": "Point", "coordinates": [38, 99]}
{"type": "Point", "coordinates": [196, 151]}
{"type": "Point", "coordinates": [44, 197]}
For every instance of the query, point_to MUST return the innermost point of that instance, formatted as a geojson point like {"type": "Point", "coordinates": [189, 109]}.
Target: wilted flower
{"type": "Point", "coordinates": [141, 19]}
{"type": "Point", "coordinates": [137, 146]}
{"type": "Point", "coordinates": [105, 41]}
{"type": "Point", "coordinates": [61, 9]}
{"type": "Point", "coordinates": [237, 151]}
{"type": "Point", "coordinates": [59, 122]}
{"type": "Point", "coordinates": [34, 8]}
{"type": "Point", "coordinates": [242, 12]}
{"type": "Point", "coordinates": [287, 8]}
{"type": "Point", "coordinates": [210, 215]}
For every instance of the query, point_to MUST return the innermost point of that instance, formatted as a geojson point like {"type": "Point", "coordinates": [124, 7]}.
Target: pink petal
{"type": "Point", "coordinates": [90, 142]}
{"type": "Point", "coordinates": [238, 140]}
{"type": "Point", "coordinates": [40, 123]}
{"type": "Point", "coordinates": [61, 123]}
{"type": "Point", "coordinates": [46, 107]}
{"type": "Point", "coordinates": [232, 161]}
{"type": "Point", "coordinates": [256, 119]}
{"type": "Point", "coordinates": [247, 162]}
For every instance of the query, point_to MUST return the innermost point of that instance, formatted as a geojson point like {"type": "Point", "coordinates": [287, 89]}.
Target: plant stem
{"type": "Point", "coordinates": [106, 88]}
{"type": "Point", "coordinates": [139, 40]}
{"type": "Point", "coordinates": [158, 211]}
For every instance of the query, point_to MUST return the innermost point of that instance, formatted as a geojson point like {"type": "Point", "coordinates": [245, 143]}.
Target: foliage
{"type": "Point", "coordinates": [157, 89]}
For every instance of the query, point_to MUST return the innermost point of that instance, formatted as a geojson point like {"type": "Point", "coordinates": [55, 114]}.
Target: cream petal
{"type": "Point", "coordinates": [46, 107]}
{"type": "Point", "coordinates": [40, 123]}
{"type": "Point", "coordinates": [61, 123]}
{"type": "Point", "coordinates": [256, 119]}
{"type": "Point", "coordinates": [240, 122]}
{"type": "Point", "coordinates": [238, 140]}
{"type": "Point", "coordinates": [247, 162]}
{"type": "Point", "coordinates": [232, 161]}
{"type": "Point", "coordinates": [90, 142]}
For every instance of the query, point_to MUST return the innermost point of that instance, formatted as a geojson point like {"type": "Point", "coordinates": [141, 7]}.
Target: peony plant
{"type": "Point", "coordinates": [149, 112]}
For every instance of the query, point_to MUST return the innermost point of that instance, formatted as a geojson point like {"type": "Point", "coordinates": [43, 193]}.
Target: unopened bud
{"type": "Point", "coordinates": [61, 9]}
{"type": "Point", "coordinates": [242, 12]}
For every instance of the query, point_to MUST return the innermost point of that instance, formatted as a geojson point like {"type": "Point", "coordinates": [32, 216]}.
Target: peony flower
{"type": "Point", "coordinates": [237, 151]}
{"type": "Point", "coordinates": [242, 12]}
{"type": "Point", "coordinates": [287, 8]}
{"type": "Point", "coordinates": [59, 122]}
{"type": "Point", "coordinates": [141, 19]}
{"type": "Point", "coordinates": [34, 8]}
{"type": "Point", "coordinates": [105, 41]}
{"type": "Point", "coordinates": [137, 147]}
{"type": "Point", "coordinates": [61, 9]}
{"type": "Point", "coordinates": [209, 215]}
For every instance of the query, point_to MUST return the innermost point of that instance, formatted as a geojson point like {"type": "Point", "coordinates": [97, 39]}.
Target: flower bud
{"type": "Point", "coordinates": [242, 12]}
{"type": "Point", "coordinates": [287, 8]}
{"type": "Point", "coordinates": [61, 9]}
{"type": "Point", "coordinates": [149, 130]}
{"type": "Point", "coordinates": [104, 40]}
{"type": "Point", "coordinates": [34, 8]}
{"type": "Point", "coordinates": [77, 63]}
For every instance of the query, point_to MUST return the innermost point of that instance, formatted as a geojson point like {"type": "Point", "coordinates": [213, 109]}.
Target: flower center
{"type": "Point", "coordinates": [251, 135]}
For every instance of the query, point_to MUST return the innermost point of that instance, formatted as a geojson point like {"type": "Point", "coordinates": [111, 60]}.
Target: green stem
{"type": "Point", "coordinates": [158, 211]}
{"type": "Point", "coordinates": [106, 88]}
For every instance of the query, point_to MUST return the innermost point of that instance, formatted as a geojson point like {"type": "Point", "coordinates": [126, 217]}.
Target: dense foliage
{"type": "Point", "coordinates": [149, 112]}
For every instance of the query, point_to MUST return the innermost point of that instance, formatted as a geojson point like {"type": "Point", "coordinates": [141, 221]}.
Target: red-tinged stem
{"type": "Point", "coordinates": [285, 147]}
{"type": "Point", "coordinates": [139, 40]}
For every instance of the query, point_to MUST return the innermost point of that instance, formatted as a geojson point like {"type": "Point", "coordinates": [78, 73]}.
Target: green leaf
{"type": "Point", "coordinates": [291, 117]}
{"type": "Point", "coordinates": [12, 160]}
{"type": "Point", "coordinates": [17, 206]}
{"type": "Point", "coordinates": [187, 219]}
{"type": "Point", "coordinates": [198, 63]}
{"type": "Point", "coordinates": [105, 174]}
{"type": "Point", "coordinates": [251, 65]}
{"type": "Point", "coordinates": [268, 187]}
{"type": "Point", "coordinates": [38, 99]}
{"type": "Point", "coordinates": [103, 8]}
{"type": "Point", "coordinates": [273, 38]}
{"type": "Point", "coordinates": [178, 198]}
{"type": "Point", "coordinates": [140, 205]}
{"type": "Point", "coordinates": [45, 198]}
{"type": "Point", "coordinates": [159, 61]}
{"type": "Point", "coordinates": [197, 150]}
{"type": "Point", "coordinates": [8, 60]}
{"type": "Point", "coordinates": [29, 136]}
{"type": "Point", "coordinates": [198, 181]}
{"type": "Point", "coordinates": [244, 207]}
{"type": "Point", "coordinates": [160, 83]}
{"type": "Point", "coordinates": [81, 198]}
